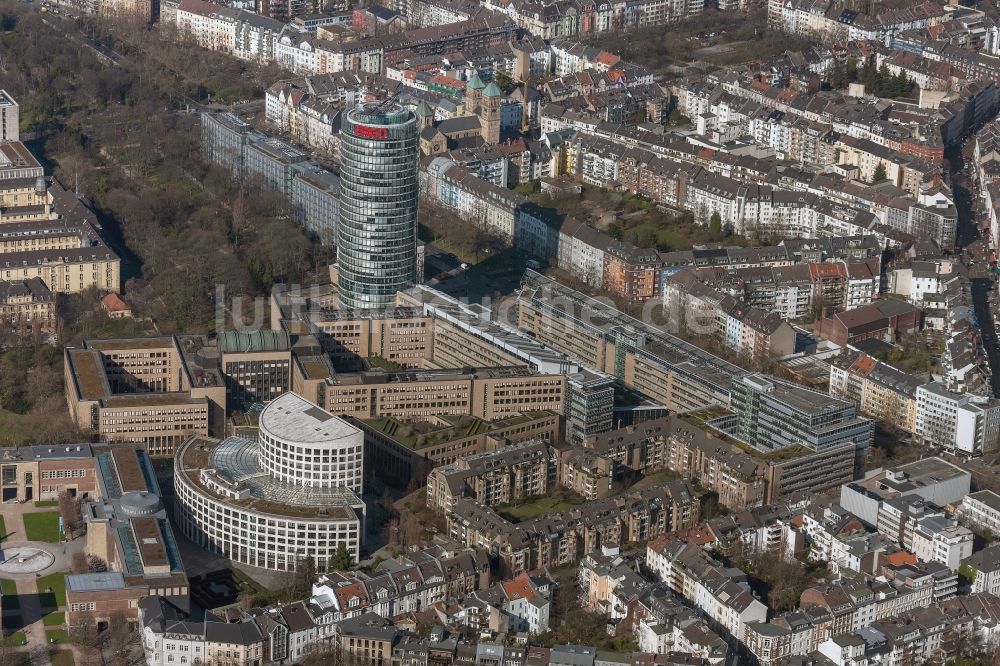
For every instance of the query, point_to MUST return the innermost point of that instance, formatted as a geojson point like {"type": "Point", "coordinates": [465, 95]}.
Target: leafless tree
{"type": "Point", "coordinates": [84, 631]}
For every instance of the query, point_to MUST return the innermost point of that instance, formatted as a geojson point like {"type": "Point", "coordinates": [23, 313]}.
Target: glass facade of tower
{"type": "Point", "coordinates": [377, 232]}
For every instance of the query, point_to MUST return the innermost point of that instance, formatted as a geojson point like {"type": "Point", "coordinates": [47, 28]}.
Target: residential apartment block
{"type": "Point", "coordinates": [741, 477]}
{"type": "Point", "coordinates": [753, 334]}
{"type": "Point", "coordinates": [508, 475]}
{"type": "Point", "coordinates": [963, 423]}
{"type": "Point", "coordinates": [879, 390]}
{"type": "Point", "coordinates": [723, 594]}
{"type": "Point", "coordinates": [564, 537]}
{"type": "Point", "coordinates": [982, 509]}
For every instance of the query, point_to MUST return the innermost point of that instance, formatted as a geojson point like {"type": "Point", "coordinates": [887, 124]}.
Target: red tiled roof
{"type": "Point", "coordinates": [519, 588]}
{"type": "Point", "coordinates": [115, 303]}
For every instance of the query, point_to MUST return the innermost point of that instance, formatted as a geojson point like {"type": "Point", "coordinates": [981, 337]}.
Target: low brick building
{"type": "Point", "coordinates": [886, 320]}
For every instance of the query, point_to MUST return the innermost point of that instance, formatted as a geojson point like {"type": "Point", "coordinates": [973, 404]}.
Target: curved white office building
{"type": "Point", "coordinates": [273, 502]}
{"type": "Point", "coordinates": [305, 445]}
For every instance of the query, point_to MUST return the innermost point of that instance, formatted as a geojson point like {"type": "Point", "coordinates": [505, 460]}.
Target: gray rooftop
{"type": "Point", "coordinates": [293, 418]}
{"type": "Point", "coordinates": [95, 582]}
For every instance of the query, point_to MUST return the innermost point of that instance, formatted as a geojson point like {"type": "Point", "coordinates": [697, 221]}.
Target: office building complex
{"type": "Point", "coordinates": [267, 163]}
{"type": "Point", "coordinates": [153, 392]}
{"type": "Point", "coordinates": [9, 118]}
{"type": "Point", "coordinates": [377, 232]}
{"type": "Point", "coordinates": [771, 415]}
{"type": "Point", "coordinates": [257, 366]}
{"type": "Point", "coordinates": [274, 502]}
{"type": "Point", "coordinates": [664, 368]}
{"type": "Point", "coordinates": [128, 529]}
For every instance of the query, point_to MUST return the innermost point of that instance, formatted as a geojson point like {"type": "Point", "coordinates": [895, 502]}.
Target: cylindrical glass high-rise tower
{"type": "Point", "coordinates": [377, 231]}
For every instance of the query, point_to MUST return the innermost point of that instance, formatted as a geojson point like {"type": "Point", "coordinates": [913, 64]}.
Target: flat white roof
{"type": "Point", "coordinates": [292, 418]}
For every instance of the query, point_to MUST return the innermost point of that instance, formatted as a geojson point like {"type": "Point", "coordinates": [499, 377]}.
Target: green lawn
{"type": "Point", "coordinates": [57, 636]}
{"type": "Point", "coordinates": [539, 507]}
{"type": "Point", "coordinates": [57, 582]}
{"type": "Point", "coordinates": [16, 638]}
{"type": "Point", "coordinates": [46, 504]}
{"type": "Point", "coordinates": [42, 526]}
{"type": "Point", "coordinates": [62, 658]}
{"type": "Point", "coordinates": [54, 619]}
{"type": "Point", "coordinates": [3, 529]}
{"type": "Point", "coordinates": [9, 600]}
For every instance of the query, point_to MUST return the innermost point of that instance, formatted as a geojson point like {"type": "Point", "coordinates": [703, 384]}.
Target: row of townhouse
{"type": "Point", "coordinates": [520, 605]}
{"type": "Point", "coordinates": [572, 57]}
{"type": "Point", "coordinates": [829, 128]}
{"type": "Point", "coordinates": [566, 536]}
{"type": "Point", "coordinates": [922, 635]}
{"type": "Point", "coordinates": [721, 593]}
{"type": "Point", "coordinates": [820, 212]}
{"type": "Point", "coordinates": [962, 423]}
{"type": "Point", "coordinates": [240, 33]}
{"type": "Point", "coordinates": [258, 38]}
{"type": "Point", "coordinates": [965, 60]}
{"type": "Point", "coordinates": [790, 291]}
{"type": "Point", "coordinates": [407, 585]}
{"type": "Point", "coordinates": [656, 618]}
{"type": "Point", "coordinates": [359, 633]}
{"type": "Point", "coordinates": [425, 13]}
{"type": "Point", "coordinates": [833, 610]}
{"type": "Point", "coordinates": [661, 169]}
{"type": "Point", "coordinates": [572, 18]}
{"type": "Point", "coordinates": [833, 20]}
{"type": "Point", "coordinates": [632, 272]}
{"type": "Point", "coordinates": [987, 164]}
{"type": "Point", "coordinates": [693, 308]}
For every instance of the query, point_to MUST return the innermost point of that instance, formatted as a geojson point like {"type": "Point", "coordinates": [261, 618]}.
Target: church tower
{"type": "Point", "coordinates": [473, 95]}
{"type": "Point", "coordinates": [489, 114]}
{"type": "Point", "coordinates": [425, 116]}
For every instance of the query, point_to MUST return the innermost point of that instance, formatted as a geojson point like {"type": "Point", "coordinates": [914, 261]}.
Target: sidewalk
{"type": "Point", "coordinates": [31, 617]}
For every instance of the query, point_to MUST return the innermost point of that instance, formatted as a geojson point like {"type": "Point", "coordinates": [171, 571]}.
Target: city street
{"type": "Point", "coordinates": [975, 256]}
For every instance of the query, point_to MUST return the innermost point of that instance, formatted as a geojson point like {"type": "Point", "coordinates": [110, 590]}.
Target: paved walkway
{"type": "Point", "coordinates": [31, 616]}
{"type": "Point", "coordinates": [29, 613]}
